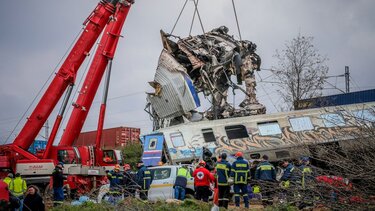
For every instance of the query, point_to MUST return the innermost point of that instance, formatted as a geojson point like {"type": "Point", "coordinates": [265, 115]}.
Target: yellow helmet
{"type": "Point", "coordinates": [117, 166]}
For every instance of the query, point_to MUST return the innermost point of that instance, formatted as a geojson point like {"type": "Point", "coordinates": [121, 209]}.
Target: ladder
{"type": "Point", "coordinates": [92, 155]}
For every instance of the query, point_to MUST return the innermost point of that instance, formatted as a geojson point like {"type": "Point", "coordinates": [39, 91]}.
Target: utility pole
{"type": "Point", "coordinates": [347, 79]}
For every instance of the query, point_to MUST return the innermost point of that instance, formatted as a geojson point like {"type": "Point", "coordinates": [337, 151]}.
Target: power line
{"type": "Point", "coordinates": [353, 81]}
{"type": "Point", "coordinates": [268, 95]}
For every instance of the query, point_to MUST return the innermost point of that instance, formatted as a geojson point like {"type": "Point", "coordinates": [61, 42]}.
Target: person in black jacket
{"type": "Point", "coordinates": [58, 183]}
{"type": "Point", "coordinates": [144, 179]}
{"type": "Point", "coordinates": [33, 201]}
{"type": "Point", "coordinates": [129, 183]}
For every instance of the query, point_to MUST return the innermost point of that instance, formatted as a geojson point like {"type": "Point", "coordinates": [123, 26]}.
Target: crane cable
{"type": "Point", "coordinates": [44, 85]}
{"type": "Point", "coordinates": [238, 25]}
{"type": "Point", "coordinates": [196, 12]}
{"type": "Point", "coordinates": [174, 26]}
{"type": "Point", "coordinates": [199, 17]}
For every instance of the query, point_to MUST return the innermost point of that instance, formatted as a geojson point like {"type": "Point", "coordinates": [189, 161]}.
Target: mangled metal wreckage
{"type": "Point", "coordinates": [203, 63]}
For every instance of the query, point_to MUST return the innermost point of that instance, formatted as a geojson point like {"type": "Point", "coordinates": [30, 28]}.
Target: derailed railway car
{"type": "Point", "coordinates": [285, 135]}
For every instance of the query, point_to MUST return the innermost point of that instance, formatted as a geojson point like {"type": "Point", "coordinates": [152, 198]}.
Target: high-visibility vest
{"type": "Point", "coordinates": [18, 187]}
{"type": "Point", "coordinates": [8, 180]}
{"type": "Point", "coordinates": [182, 177]}
{"type": "Point", "coordinates": [306, 172]}
{"type": "Point", "coordinates": [256, 189]}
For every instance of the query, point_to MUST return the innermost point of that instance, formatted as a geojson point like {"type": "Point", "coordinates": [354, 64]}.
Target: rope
{"type": "Point", "coordinates": [174, 26]}
{"type": "Point", "coordinates": [235, 14]}
{"type": "Point", "coordinates": [45, 83]}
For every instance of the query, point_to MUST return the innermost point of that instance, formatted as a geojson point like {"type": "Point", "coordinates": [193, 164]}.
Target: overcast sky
{"type": "Point", "coordinates": [35, 35]}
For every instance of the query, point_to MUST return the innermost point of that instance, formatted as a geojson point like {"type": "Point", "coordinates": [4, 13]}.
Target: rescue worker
{"type": "Point", "coordinates": [223, 171]}
{"type": "Point", "coordinates": [265, 171]}
{"type": "Point", "coordinates": [289, 174]}
{"type": "Point", "coordinates": [107, 158]}
{"type": "Point", "coordinates": [288, 180]}
{"type": "Point", "coordinates": [240, 174]}
{"type": "Point", "coordinates": [4, 196]}
{"type": "Point", "coordinates": [254, 190]}
{"type": "Point", "coordinates": [115, 178]}
{"type": "Point", "coordinates": [129, 181]}
{"type": "Point", "coordinates": [9, 179]}
{"type": "Point", "coordinates": [58, 184]}
{"type": "Point", "coordinates": [180, 183]}
{"type": "Point", "coordinates": [266, 174]}
{"type": "Point", "coordinates": [307, 179]}
{"type": "Point", "coordinates": [144, 180]}
{"type": "Point", "coordinates": [18, 187]}
{"type": "Point", "coordinates": [202, 180]}
{"type": "Point", "coordinates": [306, 171]}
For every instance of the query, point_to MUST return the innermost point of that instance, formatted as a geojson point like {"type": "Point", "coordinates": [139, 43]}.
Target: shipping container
{"type": "Point", "coordinates": [338, 100]}
{"type": "Point", "coordinates": [38, 145]}
{"type": "Point", "coordinates": [112, 138]}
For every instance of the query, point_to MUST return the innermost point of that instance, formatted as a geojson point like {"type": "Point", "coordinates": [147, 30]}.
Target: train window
{"type": "Point", "coordinates": [236, 131]}
{"type": "Point", "coordinates": [301, 123]}
{"type": "Point", "coordinates": [152, 144]}
{"type": "Point", "coordinates": [333, 120]}
{"type": "Point", "coordinates": [364, 115]}
{"type": "Point", "coordinates": [177, 140]}
{"type": "Point", "coordinates": [269, 128]}
{"type": "Point", "coordinates": [282, 154]}
{"type": "Point", "coordinates": [255, 156]}
{"type": "Point", "coordinates": [208, 135]}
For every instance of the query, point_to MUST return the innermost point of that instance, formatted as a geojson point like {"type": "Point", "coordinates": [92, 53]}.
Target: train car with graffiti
{"type": "Point", "coordinates": [272, 134]}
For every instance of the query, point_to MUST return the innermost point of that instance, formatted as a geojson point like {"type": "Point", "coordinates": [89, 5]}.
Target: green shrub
{"type": "Point", "coordinates": [132, 153]}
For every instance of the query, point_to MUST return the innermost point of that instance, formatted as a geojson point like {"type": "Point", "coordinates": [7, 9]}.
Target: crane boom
{"type": "Point", "coordinates": [94, 25]}
{"type": "Point", "coordinates": [104, 53]}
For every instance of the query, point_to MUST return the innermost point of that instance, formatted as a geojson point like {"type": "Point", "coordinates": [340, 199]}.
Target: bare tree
{"type": "Point", "coordinates": [301, 71]}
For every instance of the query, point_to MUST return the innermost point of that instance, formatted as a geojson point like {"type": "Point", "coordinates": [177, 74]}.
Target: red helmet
{"type": "Point", "coordinates": [202, 163]}
{"type": "Point", "coordinates": [239, 154]}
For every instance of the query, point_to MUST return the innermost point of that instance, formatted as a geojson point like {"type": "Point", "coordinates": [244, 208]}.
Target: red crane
{"type": "Point", "coordinates": [66, 75]}
{"type": "Point", "coordinates": [108, 14]}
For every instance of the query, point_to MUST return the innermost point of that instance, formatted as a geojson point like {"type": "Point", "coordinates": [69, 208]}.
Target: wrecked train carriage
{"type": "Point", "coordinates": [284, 135]}
{"type": "Point", "coordinates": [204, 63]}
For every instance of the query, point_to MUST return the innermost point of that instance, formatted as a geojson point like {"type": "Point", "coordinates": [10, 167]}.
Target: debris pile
{"type": "Point", "coordinates": [207, 61]}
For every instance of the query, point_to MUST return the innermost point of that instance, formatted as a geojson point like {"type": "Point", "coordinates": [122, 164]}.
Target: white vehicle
{"type": "Point", "coordinates": [162, 184]}
{"type": "Point", "coordinates": [163, 181]}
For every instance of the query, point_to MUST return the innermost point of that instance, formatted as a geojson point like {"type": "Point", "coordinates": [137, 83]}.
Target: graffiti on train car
{"type": "Point", "coordinates": [288, 137]}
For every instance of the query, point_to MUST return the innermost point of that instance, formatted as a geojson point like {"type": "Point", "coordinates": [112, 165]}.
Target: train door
{"type": "Point", "coordinates": [152, 149]}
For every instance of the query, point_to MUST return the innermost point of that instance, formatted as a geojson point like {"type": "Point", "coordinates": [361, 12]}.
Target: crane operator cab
{"type": "Point", "coordinates": [109, 158]}
{"type": "Point", "coordinates": [67, 156]}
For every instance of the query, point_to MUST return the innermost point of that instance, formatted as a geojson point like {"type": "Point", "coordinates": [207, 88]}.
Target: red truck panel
{"type": "Point", "coordinates": [111, 138]}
